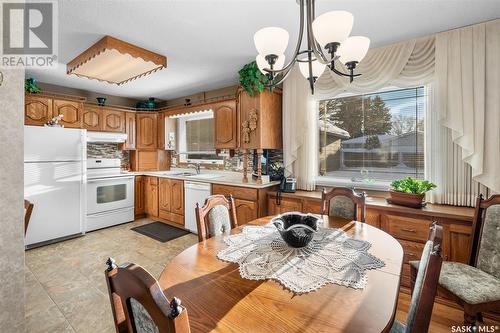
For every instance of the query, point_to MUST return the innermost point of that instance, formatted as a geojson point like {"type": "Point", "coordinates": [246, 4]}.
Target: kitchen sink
{"type": "Point", "coordinates": [183, 174]}
{"type": "Point", "coordinates": [204, 176]}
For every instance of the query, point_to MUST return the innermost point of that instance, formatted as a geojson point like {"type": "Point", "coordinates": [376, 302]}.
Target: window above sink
{"type": "Point", "coordinates": [197, 138]}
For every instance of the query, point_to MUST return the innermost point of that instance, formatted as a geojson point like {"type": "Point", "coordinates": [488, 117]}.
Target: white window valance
{"type": "Point", "coordinates": [404, 64]}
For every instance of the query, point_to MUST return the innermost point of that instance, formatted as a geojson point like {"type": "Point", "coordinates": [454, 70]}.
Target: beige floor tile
{"type": "Point", "coordinates": [45, 320]}
{"type": "Point", "coordinates": [66, 287]}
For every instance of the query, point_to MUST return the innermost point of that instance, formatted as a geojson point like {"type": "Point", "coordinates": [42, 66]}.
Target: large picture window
{"type": "Point", "coordinates": [372, 138]}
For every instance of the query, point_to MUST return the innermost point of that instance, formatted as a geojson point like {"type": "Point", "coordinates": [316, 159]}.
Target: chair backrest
{"type": "Point", "coordinates": [28, 209]}
{"type": "Point", "coordinates": [139, 304]}
{"type": "Point", "coordinates": [426, 283]}
{"type": "Point", "coordinates": [217, 216]}
{"type": "Point", "coordinates": [486, 236]}
{"type": "Point", "coordinates": [343, 202]}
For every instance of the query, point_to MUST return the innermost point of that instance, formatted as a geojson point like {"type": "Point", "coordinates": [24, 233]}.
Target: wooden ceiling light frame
{"type": "Point", "coordinates": [111, 43]}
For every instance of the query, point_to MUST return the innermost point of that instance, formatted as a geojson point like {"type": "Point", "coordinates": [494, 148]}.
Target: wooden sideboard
{"type": "Point", "coordinates": [409, 226]}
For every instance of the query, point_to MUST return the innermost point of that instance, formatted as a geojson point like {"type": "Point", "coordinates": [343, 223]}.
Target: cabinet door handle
{"type": "Point", "coordinates": [413, 255]}
{"type": "Point", "coordinates": [409, 230]}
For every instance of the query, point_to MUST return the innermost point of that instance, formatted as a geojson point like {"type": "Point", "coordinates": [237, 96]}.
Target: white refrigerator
{"type": "Point", "coordinates": [54, 181]}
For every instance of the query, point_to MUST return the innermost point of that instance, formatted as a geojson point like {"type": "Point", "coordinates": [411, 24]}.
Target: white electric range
{"type": "Point", "coordinates": [110, 194]}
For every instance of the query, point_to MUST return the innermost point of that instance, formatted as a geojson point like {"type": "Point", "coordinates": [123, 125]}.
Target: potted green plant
{"type": "Point", "coordinates": [409, 191]}
{"type": "Point", "coordinates": [251, 78]}
{"type": "Point", "coordinates": [30, 86]}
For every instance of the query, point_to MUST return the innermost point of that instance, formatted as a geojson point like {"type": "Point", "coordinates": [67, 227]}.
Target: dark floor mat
{"type": "Point", "coordinates": [160, 231]}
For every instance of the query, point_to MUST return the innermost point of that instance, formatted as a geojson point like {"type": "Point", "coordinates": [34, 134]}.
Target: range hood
{"type": "Point", "coordinates": [106, 137]}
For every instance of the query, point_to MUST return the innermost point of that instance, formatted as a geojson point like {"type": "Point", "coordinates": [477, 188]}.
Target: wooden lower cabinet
{"type": "Point", "coordinates": [250, 203]}
{"type": "Point", "coordinates": [171, 200]}
{"type": "Point", "coordinates": [283, 205]}
{"type": "Point", "coordinates": [139, 193]}
{"type": "Point", "coordinates": [151, 196]}
{"type": "Point", "coordinates": [246, 210]}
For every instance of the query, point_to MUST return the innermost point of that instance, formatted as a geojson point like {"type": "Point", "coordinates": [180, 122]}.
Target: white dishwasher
{"type": "Point", "coordinates": [194, 192]}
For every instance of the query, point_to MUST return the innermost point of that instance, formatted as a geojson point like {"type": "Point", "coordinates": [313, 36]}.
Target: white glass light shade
{"type": "Point", "coordinates": [317, 68]}
{"type": "Point", "coordinates": [332, 27]}
{"type": "Point", "coordinates": [353, 49]}
{"type": "Point", "coordinates": [262, 63]}
{"type": "Point", "coordinates": [271, 40]}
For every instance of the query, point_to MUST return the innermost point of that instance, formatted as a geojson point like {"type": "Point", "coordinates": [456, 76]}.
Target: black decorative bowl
{"type": "Point", "coordinates": [296, 229]}
{"type": "Point", "coordinates": [101, 101]}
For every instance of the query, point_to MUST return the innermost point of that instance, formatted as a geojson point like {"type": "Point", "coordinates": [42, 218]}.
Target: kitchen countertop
{"type": "Point", "coordinates": [207, 176]}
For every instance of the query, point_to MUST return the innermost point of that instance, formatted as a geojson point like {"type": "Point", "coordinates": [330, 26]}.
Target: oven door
{"type": "Point", "coordinates": [107, 194]}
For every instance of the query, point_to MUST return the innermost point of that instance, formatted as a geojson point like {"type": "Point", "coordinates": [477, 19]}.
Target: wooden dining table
{"type": "Point", "coordinates": [218, 299]}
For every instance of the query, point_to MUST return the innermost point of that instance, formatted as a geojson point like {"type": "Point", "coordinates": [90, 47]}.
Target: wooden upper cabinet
{"type": "Point", "coordinates": [113, 120]}
{"type": "Point", "coordinates": [71, 112]}
{"type": "Point", "coordinates": [161, 130]}
{"type": "Point", "coordinates": [92, 117]}
{"type": "Point", "coordinates": [226, 129]}
{"type": "Point", "coordinates": [147, 130]}
{"type": "Point", "coordinates": [260, 120]}
{"type": "Point", "coordinates": [177, 199]}
{"type": "Point", "coordinates": [37, 110]}
{"type": "Point", "coordinates": [130, 131]}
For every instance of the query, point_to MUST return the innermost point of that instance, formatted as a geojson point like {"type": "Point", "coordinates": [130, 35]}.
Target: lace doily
{"type": "Point", "coordinates": [331, 257]}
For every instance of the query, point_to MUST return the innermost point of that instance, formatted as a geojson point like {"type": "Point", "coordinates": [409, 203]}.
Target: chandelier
{"type": "Point", "coordinates": [327, 41]}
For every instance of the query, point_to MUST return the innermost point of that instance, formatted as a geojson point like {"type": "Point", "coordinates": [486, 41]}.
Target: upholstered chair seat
{"type": "Point", "coordinates": [219, 221]}
{"type": "Point", "coordinates": [476, 285]}
{"type": "Point", "coordinates": [342, 206]}
{"type": "Point", "coordinates": [468, 283]}
{"type": "Point", "coordinates": [344, 203]}
{"type": "Point", "coordinates": [142, 320]}
{"type": "Point", "coordinates": [139, 304]}
{"type": "Point", "coordinates": [216, 217]}
{"type": "Point", "coordinates": [424, 291]}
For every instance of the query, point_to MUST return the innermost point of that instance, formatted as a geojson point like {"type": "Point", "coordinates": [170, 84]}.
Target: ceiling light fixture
{"type": "Point", "coordinates": [115, 61]}
{"type": "Point", "coordinates": [329, 31]}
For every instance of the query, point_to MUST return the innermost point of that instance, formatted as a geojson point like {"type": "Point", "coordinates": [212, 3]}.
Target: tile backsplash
{"type": "Point", "coordinates": [108, 150]}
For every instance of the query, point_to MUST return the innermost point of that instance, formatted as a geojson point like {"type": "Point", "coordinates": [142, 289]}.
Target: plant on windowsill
{"type": "Point", "coordinates": [409, 192]}
{"type": "Point", "coordinates": [251, 79]}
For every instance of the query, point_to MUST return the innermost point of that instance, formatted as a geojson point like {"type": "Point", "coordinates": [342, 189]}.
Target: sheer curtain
{"type": "Point", "coordinates": [468, 96]}
{"type": "Point", "coordinates": [299, 131]}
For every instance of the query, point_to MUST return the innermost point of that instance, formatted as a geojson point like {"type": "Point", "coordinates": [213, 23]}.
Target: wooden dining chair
{"type": "Point", "coordinates": [217, 216]}
{"type": "Point", "coordinates": [344, 202]}
{"type": "Point", "coordinates": [139, 304]}
{"type": "Point", "coordinates": [475, 286]}
{"type": "Point", "coordinates": [422, 298]}
{"type": "Point", "coordinates": [28, 209]}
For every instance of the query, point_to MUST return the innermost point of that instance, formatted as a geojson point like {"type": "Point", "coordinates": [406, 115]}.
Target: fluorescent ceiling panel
{"type": "Point", "coordinates": [114, 61]}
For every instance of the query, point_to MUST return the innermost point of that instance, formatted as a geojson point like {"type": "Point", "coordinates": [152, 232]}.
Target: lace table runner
{"type": "Point", "coordinates": [331, 257]}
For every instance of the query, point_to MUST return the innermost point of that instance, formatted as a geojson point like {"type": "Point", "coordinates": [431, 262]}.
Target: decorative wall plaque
{"type": "Point", "coordinates": [249, 125]}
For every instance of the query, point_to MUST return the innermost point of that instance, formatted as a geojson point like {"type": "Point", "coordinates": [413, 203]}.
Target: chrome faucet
{"type": "Point", "coordinates": [196, 167]}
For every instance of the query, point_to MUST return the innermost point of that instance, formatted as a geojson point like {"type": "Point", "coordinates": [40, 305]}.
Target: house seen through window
{"type": "Point", "coordinates": [372, 138]}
